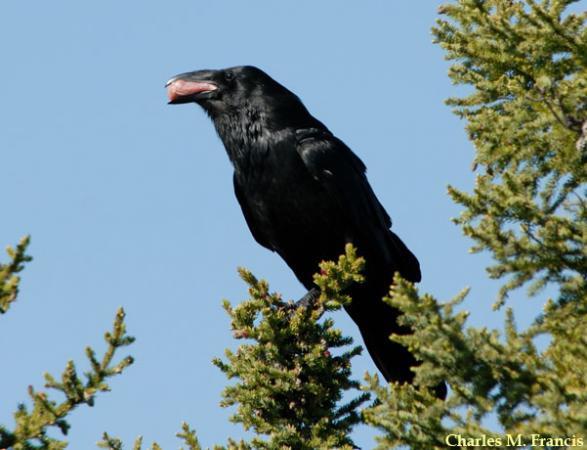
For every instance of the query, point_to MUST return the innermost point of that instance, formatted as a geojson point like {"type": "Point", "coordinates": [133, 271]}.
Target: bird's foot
{"type": "Point", "coordinates": [309, 299]}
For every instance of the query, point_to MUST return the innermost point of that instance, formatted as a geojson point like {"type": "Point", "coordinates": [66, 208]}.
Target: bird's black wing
{"type": "Point", "coordinates": [256, 230]}
{"type": "Point", "coordinates": [342, 174]}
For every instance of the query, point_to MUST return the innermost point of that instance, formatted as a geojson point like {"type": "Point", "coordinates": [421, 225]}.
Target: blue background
{"type": "Point", "coordinates": [129, 201]}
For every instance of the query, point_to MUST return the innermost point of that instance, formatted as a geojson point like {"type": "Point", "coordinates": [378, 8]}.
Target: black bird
{"type": "Point", "coordinates": [304, 195]}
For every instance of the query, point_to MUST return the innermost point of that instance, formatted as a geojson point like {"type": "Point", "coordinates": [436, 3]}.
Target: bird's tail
{"type": "Point", "coordinates": [394, 361]}
{"type": "Point", "coordinates": [404, 260]}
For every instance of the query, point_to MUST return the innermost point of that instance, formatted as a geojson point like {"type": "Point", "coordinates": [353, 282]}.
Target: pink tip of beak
{"type": "Point", "coordinates": [180, 88]}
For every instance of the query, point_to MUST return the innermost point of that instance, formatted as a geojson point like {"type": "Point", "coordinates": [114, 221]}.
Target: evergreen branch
{"type": "Point", "coordinates": [508, 51]}
{"type": "Point", "coordinates": [9, 280]}
{"type": "Point", "coordinates": [112, 443]}
{"type": "Point", "coordinates": [188, 435]}
{"type": "Point", "coordinates": [566, 121]}
{"type": "Point", "coordinates": [552, 21]}
{"type": "Point", "coordinates": [31, 428]}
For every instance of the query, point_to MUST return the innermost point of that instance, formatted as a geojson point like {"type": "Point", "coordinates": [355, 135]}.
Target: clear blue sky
{"type": "Point", "coordinates": [129, 201]}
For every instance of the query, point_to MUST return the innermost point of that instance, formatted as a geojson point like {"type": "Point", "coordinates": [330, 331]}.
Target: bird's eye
{"type": "Point", "coordinates": [229, 76]}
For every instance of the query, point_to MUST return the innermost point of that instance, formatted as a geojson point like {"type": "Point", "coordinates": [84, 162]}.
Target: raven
{"type": "Point", "coordinates": [304, 195]}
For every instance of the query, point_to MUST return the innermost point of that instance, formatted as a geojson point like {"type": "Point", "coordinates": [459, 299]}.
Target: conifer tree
{"type": "Point", "coordinates": [31, 426]}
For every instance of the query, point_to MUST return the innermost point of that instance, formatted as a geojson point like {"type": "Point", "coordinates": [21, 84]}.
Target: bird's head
{"type": "Point", "coordinates": [219, 91]}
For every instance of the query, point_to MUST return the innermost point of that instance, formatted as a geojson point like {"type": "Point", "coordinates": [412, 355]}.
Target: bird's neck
{"type": "Point", "coordinates": [247, 134]}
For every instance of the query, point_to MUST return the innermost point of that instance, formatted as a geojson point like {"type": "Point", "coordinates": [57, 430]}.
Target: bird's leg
{"type": "Point", "coordinates": [309, 299]}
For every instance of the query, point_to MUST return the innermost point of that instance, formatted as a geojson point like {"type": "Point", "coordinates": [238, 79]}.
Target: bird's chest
{"type": "Point", "coordinates": [282, 197]}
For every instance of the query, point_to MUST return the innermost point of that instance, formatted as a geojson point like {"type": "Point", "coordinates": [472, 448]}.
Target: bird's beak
{"type": "Point", "coordinates": [184, 88]}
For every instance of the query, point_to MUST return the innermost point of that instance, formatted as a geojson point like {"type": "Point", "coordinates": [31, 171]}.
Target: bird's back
{"type": "Point", "coordinates": [297, 210]}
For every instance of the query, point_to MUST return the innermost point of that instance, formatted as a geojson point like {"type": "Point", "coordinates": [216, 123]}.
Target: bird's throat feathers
{"type": "Point", "coordinates": [247, 134]}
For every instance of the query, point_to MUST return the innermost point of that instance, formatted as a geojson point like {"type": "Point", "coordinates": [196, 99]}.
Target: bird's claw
{"type": "Point", "coordinates": [309, 299]}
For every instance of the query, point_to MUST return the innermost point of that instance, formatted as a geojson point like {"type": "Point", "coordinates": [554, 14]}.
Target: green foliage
{"type": "Point", "coordinates": [290, 379]}
{"type": "Point", "coordinates": [334, 277]}
{"type": "Point", "coordinates": [530, 391]}
{"type": "Point", "coordinates": [526, 62]}
{"type": "Point", "coordinates": [9, 281]}
{"type": "Point", "coordinates": [186, 434]}
{"type": "Point", "coordinates": [290, 382]}
{"type": "Point", "coordinates": [30, 431]}
{"type": "Point", "coordinates": [31, 428]}
{"type": "Point", "coordinates": [525, 65]}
